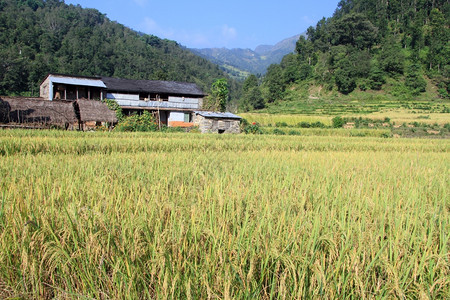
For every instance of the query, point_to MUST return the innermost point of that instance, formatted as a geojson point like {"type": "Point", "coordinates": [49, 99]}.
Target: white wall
{"type": "Point", "coordinates": [176, 116]}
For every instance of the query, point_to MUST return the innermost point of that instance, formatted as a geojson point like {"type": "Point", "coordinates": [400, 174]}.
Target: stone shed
{"type": "Point", "coordinates": [217, 122]}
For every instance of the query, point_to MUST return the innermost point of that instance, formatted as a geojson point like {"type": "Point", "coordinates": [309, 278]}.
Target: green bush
{"type": "Point", "coordinates": [303, 125]}
{"type": "Point", "coordinates": [253, 128]}
{"type": "Point", "coordinates": [113, 105]}
{"type": "Point", "coordinates": [318, 124]}
{"type": "Point", "coordinates": [281, 124]}
{"type": "Point", "coordinates": [294, 132]}
{"type": "Point", "coordinates": [144, 122]}
{"type": "Point", "coordinates": [278, 131]}
{"type": "Point", "coordinates": [338, 122]}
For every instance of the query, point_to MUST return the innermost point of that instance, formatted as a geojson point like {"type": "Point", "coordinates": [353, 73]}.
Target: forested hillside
{"type": "Point", "coordinates": [395, 48]}
{"type": "Point", "coordinates": [38, 37]}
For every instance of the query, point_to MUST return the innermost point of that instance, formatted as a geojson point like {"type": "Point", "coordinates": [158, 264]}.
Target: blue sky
{"type": "Point", "coordinates": [209, 23]}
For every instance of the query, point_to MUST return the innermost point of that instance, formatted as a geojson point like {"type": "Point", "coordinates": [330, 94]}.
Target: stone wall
{"type": "Point", "coordinates": [216, 125]}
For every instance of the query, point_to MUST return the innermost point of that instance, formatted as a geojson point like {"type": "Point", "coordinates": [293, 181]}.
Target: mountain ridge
{"type": "Point", "coordinates": [240, 62]}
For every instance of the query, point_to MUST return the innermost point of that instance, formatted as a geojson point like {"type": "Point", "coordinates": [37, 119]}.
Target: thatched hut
{"type": "Point", "coordinates": [39, 113]}
{"type": "Point", "coordinates": [92, 113]}
{"type": "Point", "coordinates": [32, 111]}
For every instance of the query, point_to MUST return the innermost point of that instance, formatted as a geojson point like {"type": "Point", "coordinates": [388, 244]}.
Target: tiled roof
{"type": "Point", "coordinates": [152, 86]}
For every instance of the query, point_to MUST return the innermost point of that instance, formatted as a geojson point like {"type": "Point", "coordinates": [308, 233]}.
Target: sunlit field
{"type": "Point", "coordinates": [191, 216]}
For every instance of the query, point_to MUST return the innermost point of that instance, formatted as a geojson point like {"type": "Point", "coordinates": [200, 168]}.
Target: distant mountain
{"type": "Point", "coordinates": [239, 63]}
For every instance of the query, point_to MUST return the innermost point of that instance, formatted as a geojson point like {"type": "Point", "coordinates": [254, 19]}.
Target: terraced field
{"type": "Point", "coordinates": [173, 215]}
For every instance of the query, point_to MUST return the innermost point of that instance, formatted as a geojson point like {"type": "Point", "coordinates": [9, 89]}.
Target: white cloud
{"type": "Point", "coordinates": [229, 33]}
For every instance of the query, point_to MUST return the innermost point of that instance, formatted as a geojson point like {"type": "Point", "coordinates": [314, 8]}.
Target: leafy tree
{"type": "Point", "coordinates": [392, 58]}
{"type": "Point", "coordinates": [440, 36]}
{"type": "Point", "coordinates": [376, 78]}
{"type": "Point", "coordinates": [290, 67]}
{"type": "Point", "coordinates": [251, 94]}
{"type": "Point", "coordinates": [305, 50]}
{"type": "Point", "coordinates": [274, 82]}
{"type": "Point", "coordinates": [414, 80]}
{"type": "Point", "coordinates": [344, 77]}
{"type": "Point", "coordinates": [219, 91]}
{"type": "Point", "coordinates": [255, 98]}
{"type": "Point", "coordinates": [355, 30]}
{"type": "Point", "coordinates": [250, 82]}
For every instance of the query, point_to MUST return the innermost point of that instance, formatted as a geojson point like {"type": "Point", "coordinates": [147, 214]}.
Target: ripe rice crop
{"type": "Point", "coordinates": [290, 120]}
{"type": "Point", "coordinates": [151, 215]}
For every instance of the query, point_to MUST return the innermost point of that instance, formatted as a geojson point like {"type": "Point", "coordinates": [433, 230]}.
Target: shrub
{"type": "Point", "coordinates": [318, 124]}
{"type": "Point", "coordinates": [113, 105]}
{"type": "Point", "coordinates": [294, 132]}
{"type": "Point", "coordinates": [338, 122]}
{"type": "Point", "coordinates": [253, 128]}
{"type": "Point", "coordinates": [304, 125]}
{"type": "Point", "coordinates": [144, 122]}
{"type": "Point", "coordinates": [281, 124]}
{"type": "Point", "coordinates": [278, 131]}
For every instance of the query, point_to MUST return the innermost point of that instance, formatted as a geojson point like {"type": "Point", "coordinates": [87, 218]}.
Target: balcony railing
{"type": "Point", "coordinates": [172, 102]}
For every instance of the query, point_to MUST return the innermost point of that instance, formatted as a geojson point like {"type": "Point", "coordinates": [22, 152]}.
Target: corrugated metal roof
{"type": "Point", "coordinates": [153, 86]}
{"type": "Point", "coordinates": [78, 81]}
{"type": "Point", "coordinates": [220, 115]}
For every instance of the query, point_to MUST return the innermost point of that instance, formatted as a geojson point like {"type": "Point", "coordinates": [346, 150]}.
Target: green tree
{"type": "Point", "coordinates": [290, 67]}
{"type": "Point", "coordinates": [376, 78]}
{"type": "Point", "coordinates": [440, 35]}
{"type": "Point", "coordinates": [344, 77]}
{"type": "Point", "coordinates": [392, 58]}
{"type": "Point", "coordinates": [305, 50]}
{"type": "Point", "coordinates": [219, 92]}
{"type": "Point", "coordinates": [355, 30]}
{"type": "Point", "coordinates": [414, 80]}
{"type": "Point", "coordinates": [251, 94]}
{"type": "Point", "coordinates": [274, 82]}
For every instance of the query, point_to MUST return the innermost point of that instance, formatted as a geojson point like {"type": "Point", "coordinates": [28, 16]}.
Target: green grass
{"type": "Point", "coordinates": [153, 215]}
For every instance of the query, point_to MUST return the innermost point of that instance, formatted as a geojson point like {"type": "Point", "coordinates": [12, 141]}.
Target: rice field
{"type": "Point", "coordinates": [172, 215]}
{"type": "Point", "coordinates": [397, 116]}
{"type": "Point", "coordinates": [289, 119]}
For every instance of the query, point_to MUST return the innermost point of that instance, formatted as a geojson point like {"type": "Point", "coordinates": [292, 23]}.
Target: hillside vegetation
{"type": "Point", "coordinates": [38, 37]}
{"type": "Point", "coordinates": [384, 50]}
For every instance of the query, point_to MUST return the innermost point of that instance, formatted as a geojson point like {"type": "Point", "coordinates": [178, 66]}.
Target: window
{"type": "Point", "coordinates": [187, 118]}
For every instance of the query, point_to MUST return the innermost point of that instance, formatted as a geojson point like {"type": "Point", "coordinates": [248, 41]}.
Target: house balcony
{"type": "Point", "coordinates": [149, 103]}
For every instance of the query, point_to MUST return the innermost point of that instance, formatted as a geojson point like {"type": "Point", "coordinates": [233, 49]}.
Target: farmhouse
{"type": "Point", "coordinates": [216, 122]}
{"type": "Point", "coordinates": [73, 102]}
{"type": "Point", "coordinates": [172, 102]}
